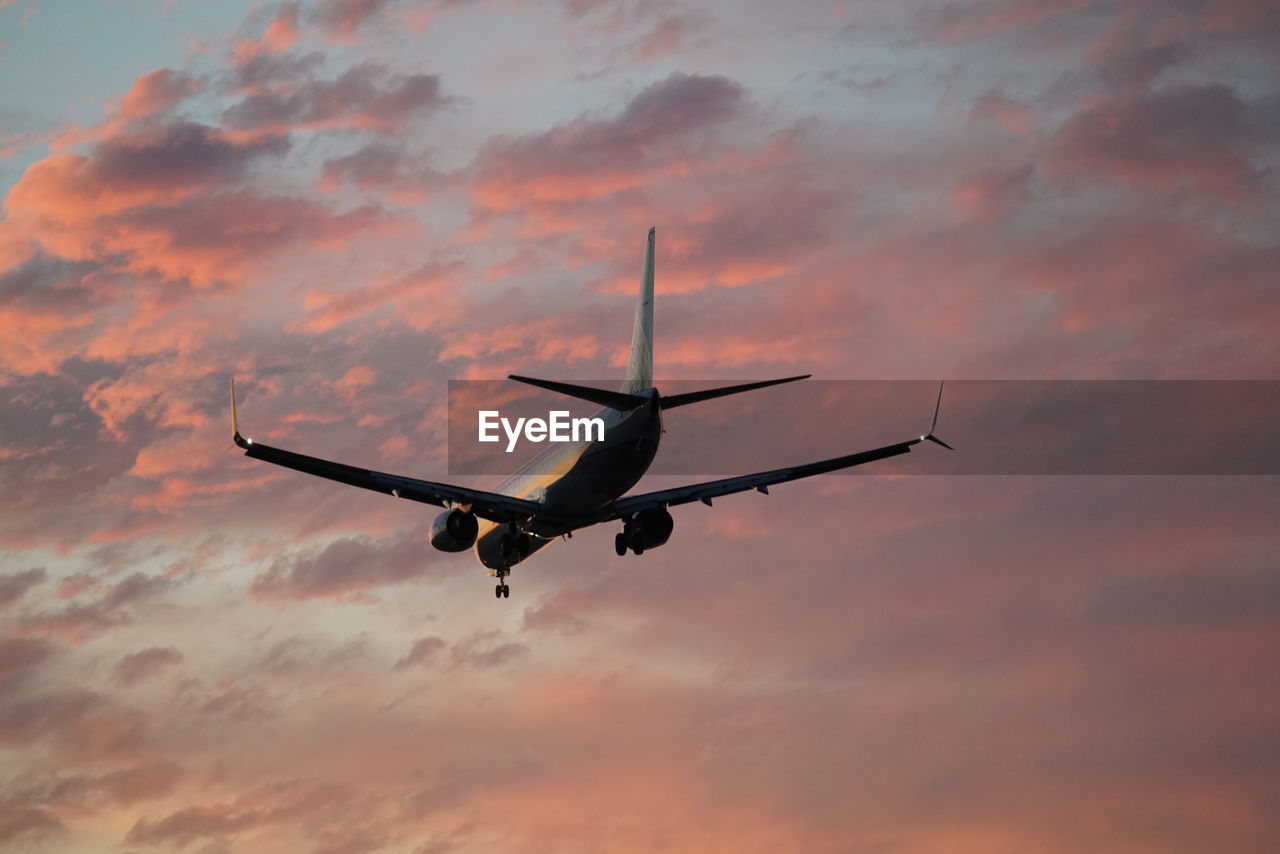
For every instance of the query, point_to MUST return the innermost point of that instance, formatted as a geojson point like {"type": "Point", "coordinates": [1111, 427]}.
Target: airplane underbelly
{"type": "Point", "coordinates": [489, 551]}
{"type": "Point", "coordinates": [598, 478]}
{"type": "Point", "coordinates": [602, 473]}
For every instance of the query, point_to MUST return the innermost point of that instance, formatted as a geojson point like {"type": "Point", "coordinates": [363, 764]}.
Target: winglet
{"type": "Point", "coordinates": [934, 425]}
{"type": "Point", "coordinates": [235, 420]}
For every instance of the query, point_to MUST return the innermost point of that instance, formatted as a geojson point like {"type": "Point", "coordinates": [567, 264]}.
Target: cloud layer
{"type": "Point", "coordinates": [345, 204]}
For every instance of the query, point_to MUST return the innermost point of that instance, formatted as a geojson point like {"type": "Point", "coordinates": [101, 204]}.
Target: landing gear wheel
{"type": "Point", "coordinates": [638, 547]}
{"type": "Point", "coordinates": [506, 591]}
{"type": "Point", "coordinates": [497, 591]}
{"type": "Point", "coordinates": [620, 544]}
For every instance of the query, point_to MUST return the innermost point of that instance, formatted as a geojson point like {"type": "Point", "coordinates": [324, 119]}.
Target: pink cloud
{"type": "Point", "coordinates": [21, 654]}
{"type": "Point", "coordinates": [89, 793]}
{"type": "Point", "coordinates": [283, 30]}
{"type": "Point", "coordinates": [268, 806]}
{"type": "Point", "coordinates": [1198, 136]}
{"type": "Point", "coordinates": [79, 623]}
{"type": "Point", "coordinates": [354, 380]}
{"type": "Point", "coordinates": [1012, 115]}
{"type": "Point", "coordinates": [999, 656]}
{"type": "Point", "coordinates": [343, 18]}
{"type": "Point", "coordinates": [161, 163]}
{"type": "Point", "coordinates": [150, 206]}
{"type": "Point", "coordinates": [162, 202]}
{"type": "Point", "coordinates": [590, 158]}
{"type": "Point", "coordinates": [76, 723]}
{"type": "Point", "coordinates": [21, 825]}
{"type": "Point", "coordinates": [426, 296]}
{"type": "Point", "coordinates": [992, 196]}
{"type": "Point", "coordinates": [75, 584]}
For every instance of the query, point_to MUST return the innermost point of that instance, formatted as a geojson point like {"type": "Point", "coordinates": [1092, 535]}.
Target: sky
{"type": "Point", "coordinates": [348, 203]}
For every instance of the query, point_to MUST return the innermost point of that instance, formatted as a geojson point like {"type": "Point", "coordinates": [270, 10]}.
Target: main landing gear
{"type": "Point", "coordinates": [515, 543]}
{"type": "Point", "coordinates": [628, 539]}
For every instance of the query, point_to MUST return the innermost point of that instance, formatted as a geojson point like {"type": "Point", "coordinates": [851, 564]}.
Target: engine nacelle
{"type": "Point", "coordinates": [650, 528]}
{"type": "Point", "coordinates": [454, 531]}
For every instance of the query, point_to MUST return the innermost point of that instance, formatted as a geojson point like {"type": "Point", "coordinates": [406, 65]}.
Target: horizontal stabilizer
{"type": "Point", "coordinates": [698, 396]}
{"type": "Point", "coordinates": [613, 399]}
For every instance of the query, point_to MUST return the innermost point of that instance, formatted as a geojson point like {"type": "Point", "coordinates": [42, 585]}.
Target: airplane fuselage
{"type": "Point", "coordinates": [574, 481]}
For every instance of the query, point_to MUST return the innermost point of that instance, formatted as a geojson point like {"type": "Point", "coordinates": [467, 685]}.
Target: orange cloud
{"type": "Point", "coordinates": [155, 92]}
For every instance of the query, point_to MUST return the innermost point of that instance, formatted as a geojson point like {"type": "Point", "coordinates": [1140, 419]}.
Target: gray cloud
{"type": "Point", "coordinates": [21, 654]}
{"type": "Point", "coordinates": [14, 585]}
{"type": "Point", "coordinates": [423, 651]}
{"type": "Point", "coordinates": [145, 663]}
{"type": "Point", "coordinates": [350, 566]}
{"type": "Point", "coordinates": [367, 95]}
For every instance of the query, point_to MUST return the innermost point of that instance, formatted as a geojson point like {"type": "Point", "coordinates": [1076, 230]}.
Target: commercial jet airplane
{"type": "Point", "coordinates": [573, 485]}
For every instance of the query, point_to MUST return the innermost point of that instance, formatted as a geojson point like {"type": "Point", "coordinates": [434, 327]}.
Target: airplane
{"type": "Point", "coordinates": [573, 485]}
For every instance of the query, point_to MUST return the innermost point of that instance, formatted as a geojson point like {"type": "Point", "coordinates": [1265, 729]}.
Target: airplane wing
{"type": "Point", "coordinates": [704, 492]}
{"type": "Point", "coordinates": [629, 505]}
{"type": "Point", "coordinates": [486, 505]}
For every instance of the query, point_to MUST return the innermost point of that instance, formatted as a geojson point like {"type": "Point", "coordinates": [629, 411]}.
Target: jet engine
{"type": "Point", "coordinates": [454, 531]}
{"type": "Point", "coordinates": [646, 530]}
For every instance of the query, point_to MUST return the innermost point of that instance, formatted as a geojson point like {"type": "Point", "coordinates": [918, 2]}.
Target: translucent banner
{"type": "Point", "coordinates": [997, 426]}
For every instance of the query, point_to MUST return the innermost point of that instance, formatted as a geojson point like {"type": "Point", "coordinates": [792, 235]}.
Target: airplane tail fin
{"type": "Point", "coordinates": [640, 368]}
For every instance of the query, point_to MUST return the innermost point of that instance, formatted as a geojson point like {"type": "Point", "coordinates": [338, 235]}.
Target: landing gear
{"type": "Point", "coordinates": [647, 529]}
{"type": "Point", "coordinates": [515, 543]}
{"type": "Point", "coordinates": [628, 538]}
{"type": "Point", "coordinates": [502, 590]}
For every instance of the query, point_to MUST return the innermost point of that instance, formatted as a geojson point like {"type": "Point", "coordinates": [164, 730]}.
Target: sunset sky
{"type": "Point", "coordinates": [346, 204]}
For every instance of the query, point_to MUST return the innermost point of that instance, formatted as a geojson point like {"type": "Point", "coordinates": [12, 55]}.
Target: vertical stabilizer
{"type": "Point", "coordinates": [640, 368]}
